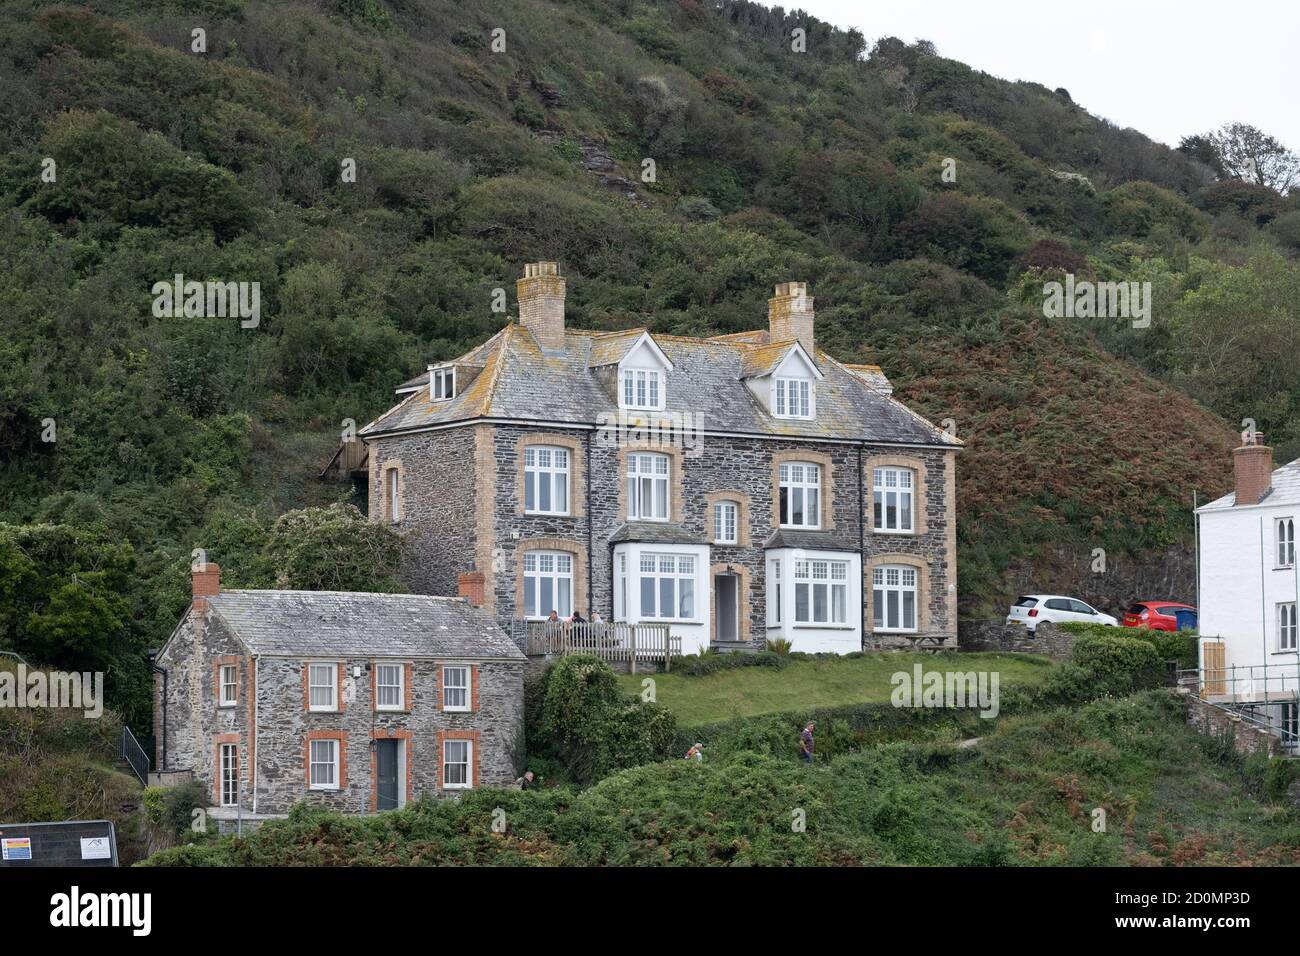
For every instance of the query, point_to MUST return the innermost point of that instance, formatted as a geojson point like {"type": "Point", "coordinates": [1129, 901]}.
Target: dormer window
{"type": "Point", "coordinates": [442, 383]}
{"type": "Point", "coordinates": [642, 388]}
{"type": "Point", "coordinates": [792, 398]}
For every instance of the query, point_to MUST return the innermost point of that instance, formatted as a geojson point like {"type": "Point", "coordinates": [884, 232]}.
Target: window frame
{"type": "Point", "coordinates": [660, 575]}
{"type": "Point", "coordinates": [468, 784]}
{"type": "Point", "coordinates": [1284, 542]}
{"type": "Point", "coordinates": [231, 766]}
{"type": "Point", "coordinates": [556, 476]}
{"type": "Point", "coordinates": [879, 606]}
{"type": "Point", "coordinates": [796, 390]}
{"type": "Point", "coordinates": [787, 485]}
{"type": "Point", "coordinates": [537, 574]}
{"type": "Point", "coordinates": [807, 582]}
{"type": "Point", "coordinates": [222, 684]}
{"type": "Point", "coordinates": [642, 389]}
{"type": "Point", "coordinates": [439, 389]}
{"type": "Point", "coordinates": [637, 481]}
{"type": "Point", "coordinates": [335, 764]}
{"type": "Point", "coordinates": [881, 492]}
{"type": "Point", "coordinates": [720, 525]}
{"type": "Point", "coordinates": [467, 687]}
{"type": "Point", "coordinates": [393, 490]}
{"type": "Point", "coordinates": [333, 668]}
{"type": "Point", "coordinates": [1287, 630]}
{"type": "Point", "coordinates": [380, 686]}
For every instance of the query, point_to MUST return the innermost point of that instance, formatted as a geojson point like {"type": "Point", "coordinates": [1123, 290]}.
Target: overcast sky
{"type": "Point", "coordinates": [1165, 67]}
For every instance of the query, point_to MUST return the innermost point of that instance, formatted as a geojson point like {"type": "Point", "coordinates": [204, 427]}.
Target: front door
{"type": "Point", "coordinates": [386, 771]}
{"type": "Point", "coordinates": [725, 594]}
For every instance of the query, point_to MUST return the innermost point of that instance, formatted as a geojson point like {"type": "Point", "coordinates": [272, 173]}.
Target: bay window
{"type": "Point", "coordinates": [821, 592]}
{"type": "Point", "coordinates": [667, 586]}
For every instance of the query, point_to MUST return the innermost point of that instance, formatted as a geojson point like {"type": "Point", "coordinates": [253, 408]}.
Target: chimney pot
{"type": "Point", "coordinates": [541, 303]}
{"type": "Point", "coordinates": [790, 315]}
{"type": "Point", "coordinates": [1252, 465]}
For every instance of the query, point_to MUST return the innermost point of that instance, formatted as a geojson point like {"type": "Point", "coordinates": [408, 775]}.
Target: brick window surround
{"type": "Point", "coordinates": [408, 676]}
{"type": "Point", "coordinates": [226, 660]}
{"type": "Point", "coordinates": [473, 686]}
{"type": "Point", "coordinates": [741, 501]}
{"type": "Point", "coordinates": [339, 735]}
{"type": "Point", "coordinates": [381, 734]}
{"type": "Point", "coordinates": [922, 587]}
{"type": "Point", "coordinates": [826, 500]}
{"type": "Point", "coordinates": [917, 466]}
{"type": "Point", "coordinates": [577, 475]}
{"type": "Point", "coordinates": [475, 760]}
{"type": "Point", "coordinates": [574, 548]}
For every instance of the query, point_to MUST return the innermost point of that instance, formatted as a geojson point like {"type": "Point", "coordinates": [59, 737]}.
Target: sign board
{"type": "Point", "coordinates": [16, 848]}
{"type": "Point", "coordinates": [65, 843]}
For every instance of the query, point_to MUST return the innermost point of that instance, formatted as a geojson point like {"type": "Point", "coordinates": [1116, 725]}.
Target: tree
{"type": "Point", "coordinates": [333, 549]}
{"type": "Point", "coordinates": [1251, 154]}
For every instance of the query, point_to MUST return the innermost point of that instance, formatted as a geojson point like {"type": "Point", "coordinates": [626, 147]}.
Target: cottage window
{"type": "Point", "coordinates": [893, 598]}
{"type": "Point", "coordinates": [800, 495]}
{"type": "Point", "coordinates": [442, 384]}
{"type": "Point", "coordinates": [546, 480]}
{"type": "Point", "coordinates": [667, 586]}
{"type": "Point", "coordinates": [642, 388]}
{"type": "Point", "coordinates": [229, 685]}
{"type": "Point", "coordinates": [229, 775]}
{"type": "Point", "coordinates": [456, 756]}
{"type": "Point", "coordinates": [324, 764]}
{"type": "Point", "coordinates": [1285, 542]}
{"type": "Point", "coordinates": [389, 686]}
{"type": "Point", "coordinates": [792, 398]}
{"type": "Point", "coordinates": [892, 496]}
{"type": "Point", "coordinates": [1286, 626]}
{"type": "Point", "coordinates": [394, 493]}
{"type": "Point", "coordinates": [323, 686]}
{"type": "Point", "coordinates": [775, 609]}
{"type": "Point", "coordinates": [455, 688]}
{"type": "Point", "coordinates": [548, 584]}
{"type": "Point", "coordinates": [724, 522]}
{"type": "Point", "coordinates": [821, 592]}
{"type": "Point", "coordinates": [647, 487]}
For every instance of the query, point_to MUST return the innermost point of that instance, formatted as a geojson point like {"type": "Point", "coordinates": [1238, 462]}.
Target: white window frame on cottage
{"type": "Point", "coordinates": [442, 383]}
{"type": "Point", "coordinates": [793, 397]}
{"type": "Point", "coordinates": [313, 685]}
{"type": "Point", "coordinates": [330, 760]}
{"type": "Point", "coordinates": [228, 757]}
{"type": "Point", "coordinates": [893, 496]}
{"type": "Point", "coordinates": [540, 567]}
{"type": "Point", "coordinates": [546, 476]}
{"type": "Point", "coordinates": [463, 686]}
{"type": "Point", "coordinates": [229, 678]}
{"type": "Point", "coordinates": [649, 476]}
{"type": "Point", "coordinates": [393, 489]}
{"type": "Point", "coordinates": [824, 582]}
{"type": "Point", "coordinates": [383, 689]}
{"type": "Point", "coordinates": [468, 763]}
{"type": "Point", "coordinates": [775, 588]}
{"type": "Point", "coordinates": [1284, 535]}
{"type": "Point", "coordinates": [900, 580]}
{"type": "Point", "coordinates": [641, 389]}
{"type": "Point", "coordinates": [1286, 626]}
{"type": "Point", "coordinates": [726, 522]}
{"type": "Point", "coordinates": [673, 580]}
{"type": "Point", "coordinates": [796, 485]}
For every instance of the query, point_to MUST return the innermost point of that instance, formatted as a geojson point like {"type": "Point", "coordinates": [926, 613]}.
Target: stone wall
{"type": "Point", "coordinates": [1047, 639]}
{"type": "Point", "coordinates": [1218, 723]}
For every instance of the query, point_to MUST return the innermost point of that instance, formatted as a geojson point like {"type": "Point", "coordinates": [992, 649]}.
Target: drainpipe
{"type": "Point", "coordinates": [161, 670]}
{"type": "Point", "coordinates": [1263, 611]}
{"type": "Point", "coordinates": [591, 542]}
{"type": "Point", "coordinates": [256, 739]}
{"type": "Point", "coordinates": [862, 549]}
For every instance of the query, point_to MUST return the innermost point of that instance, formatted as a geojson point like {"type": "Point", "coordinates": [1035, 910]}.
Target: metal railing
{"type": "Point", "coordinates": [133, 754]}
{"type": "Point", "coordinates": [610, 641]}
{"type": "Point", "coordinates": [1248, 690]}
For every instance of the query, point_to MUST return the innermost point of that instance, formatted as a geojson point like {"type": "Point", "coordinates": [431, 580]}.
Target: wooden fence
{"type": "Point", "coordinates": [613, 642]}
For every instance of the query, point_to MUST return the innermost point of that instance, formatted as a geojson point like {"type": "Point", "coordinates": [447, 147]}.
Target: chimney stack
{"type": "Point", "coordinates": [471, 586]}
{"type": "Point", "coordinates": [205, 581]}
{"type": "Point", "coordinates": [541, 303]}
{"type": "Point", "coordinates": [1253, 466]}
{"type": "Point", "coordinates": [790, 315]}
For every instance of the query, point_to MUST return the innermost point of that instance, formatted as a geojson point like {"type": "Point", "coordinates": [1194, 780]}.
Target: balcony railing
{"type": "Point", "coordinates": [613, 642]}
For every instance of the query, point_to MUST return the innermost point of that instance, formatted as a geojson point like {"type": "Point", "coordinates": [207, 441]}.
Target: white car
{"type": "Point", "coordinates": [1030, 609]}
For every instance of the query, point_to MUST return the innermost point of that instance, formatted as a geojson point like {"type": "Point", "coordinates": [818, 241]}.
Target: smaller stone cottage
{"type": "Point", "coordinates": [357, 701]}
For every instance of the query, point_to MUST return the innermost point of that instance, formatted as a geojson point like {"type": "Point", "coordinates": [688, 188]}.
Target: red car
{"type": "Point", "coordinates": [1160, 615]}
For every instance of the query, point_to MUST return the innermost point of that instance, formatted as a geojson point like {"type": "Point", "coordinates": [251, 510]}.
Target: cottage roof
{"type": "Point", "coordinates": [1284, 489]}
{"type": "Point", "coordinates": [357, 624]}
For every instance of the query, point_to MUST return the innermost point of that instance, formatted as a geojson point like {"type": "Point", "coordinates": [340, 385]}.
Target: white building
{"type": "Point", "coordinates": [1249, 582]}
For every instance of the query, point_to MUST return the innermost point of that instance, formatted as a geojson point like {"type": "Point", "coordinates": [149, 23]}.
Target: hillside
{"type": "Point", "coordinates": [825, 166]}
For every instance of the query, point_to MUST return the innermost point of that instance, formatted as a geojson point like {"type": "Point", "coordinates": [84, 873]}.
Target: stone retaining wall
{"type": "Point", "coordinates": [1216, 722]}
{"type": "Point", "coordinates": [1047, 639]}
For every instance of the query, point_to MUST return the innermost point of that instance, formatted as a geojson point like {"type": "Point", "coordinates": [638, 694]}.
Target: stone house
{"type": "Point", "coordinates": [739, 488]}
{"type": "Point", "coordinates": [357, 701]}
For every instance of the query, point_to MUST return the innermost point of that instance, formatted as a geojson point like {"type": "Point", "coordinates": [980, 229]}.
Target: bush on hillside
{"type": "Point", "coordinates": [1101, 664]}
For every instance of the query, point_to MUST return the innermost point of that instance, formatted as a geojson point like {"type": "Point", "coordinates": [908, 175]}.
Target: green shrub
{"type": "Point", "coordinates": [1104, 664]}
{"type": "Point", "coordinates": [779, 645]}
{"type": "Point", "coordinates": [713, 662]}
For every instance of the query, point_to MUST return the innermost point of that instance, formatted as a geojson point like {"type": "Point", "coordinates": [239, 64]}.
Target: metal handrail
{"type": "Point", "coordinates": [134, 756]}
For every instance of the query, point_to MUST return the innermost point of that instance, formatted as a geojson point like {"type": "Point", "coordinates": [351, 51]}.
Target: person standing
{"type": "Point", "coordinates": [807, 743]}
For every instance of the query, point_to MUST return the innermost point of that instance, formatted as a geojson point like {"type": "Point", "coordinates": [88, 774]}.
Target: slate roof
{"type": "Point", "coordinates": [357, 624]}
{"type": "Point", "coordinates": [811, 540]}
{"type": "Point", "coordinates": [521, 382]}
{"type": "Point", "coordinates": [1284, 489]}
{"type": "Point", "coordinates": [655, 532]}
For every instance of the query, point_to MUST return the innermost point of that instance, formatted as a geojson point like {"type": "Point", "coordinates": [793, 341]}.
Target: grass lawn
{"type": "Point", "coordinates": [829, 682]}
